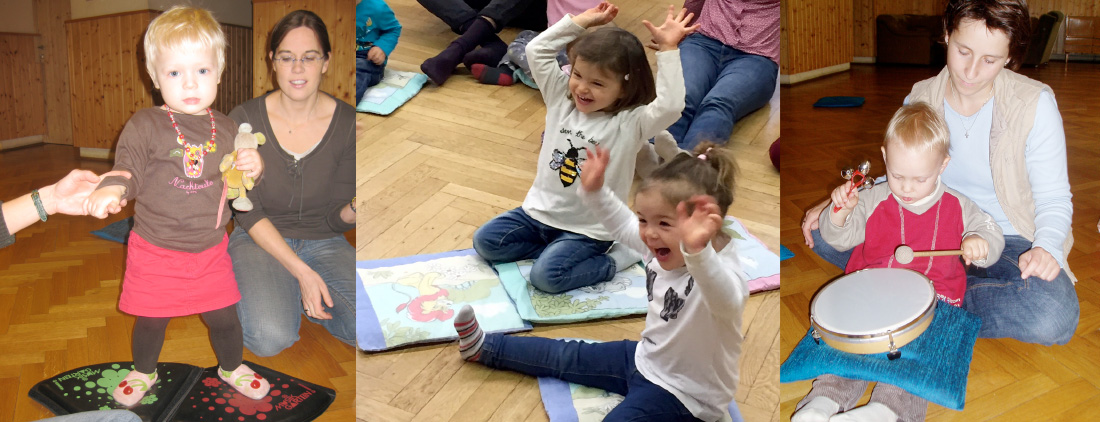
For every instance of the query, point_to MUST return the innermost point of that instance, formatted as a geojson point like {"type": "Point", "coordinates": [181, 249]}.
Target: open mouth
{"type": "Point", "coordinates": [582, 100]}
{"type": "Point", "coordinates": [298, 83]}
{"type": "Point", "coordinates": [662, 254]}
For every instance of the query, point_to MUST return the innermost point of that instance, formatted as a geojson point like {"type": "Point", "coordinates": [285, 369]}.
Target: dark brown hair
{"type": "Point", "coordinates": [619, 53]}
{"type": "Point", "coordinates": [687, 175]}
{"type": "Point", "coordinates": [1008, 16]}
{"type": "Point", "coordinates": [298, 19]}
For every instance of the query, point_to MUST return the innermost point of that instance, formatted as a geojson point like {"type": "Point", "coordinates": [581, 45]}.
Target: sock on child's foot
{"type": "Point", "coordinates": [133, 387]}
{"type": "Point", "coordinates": [440, 67]}
{"type": "Point", "coordinates": [470, 336]}
{"type": "Point", "coordinates": [489, 53]}
{"type": "Point", "coordinates": [246, 381]}
{"type": "Point", "coordinates": [666, 146]}
{"type": "Point", "coordinates": [872, 412]}
{"type": "Point", "coordinates": [492, 75]}
{"type": "Point", "coordinates": [623, 256]}
{"type": "Point", "coordinates": [817, 410]}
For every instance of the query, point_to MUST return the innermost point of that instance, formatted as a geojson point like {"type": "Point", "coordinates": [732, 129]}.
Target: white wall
{"type": "Point", "coordinates": [17, 16]}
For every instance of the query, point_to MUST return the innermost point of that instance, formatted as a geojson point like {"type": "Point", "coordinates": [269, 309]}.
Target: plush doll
{"type": "Point", "coordinates": [236, 183]}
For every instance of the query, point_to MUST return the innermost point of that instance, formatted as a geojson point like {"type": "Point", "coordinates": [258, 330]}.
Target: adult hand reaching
{"type": "Point", "coordinates": [68, 194]}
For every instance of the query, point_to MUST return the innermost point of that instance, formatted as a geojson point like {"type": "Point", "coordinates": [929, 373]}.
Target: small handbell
{"type": "Point", "coordinates": [847, 173]}
{"type": "Point", "coordinates": [868, 183]}
{"type": "Point", "coordinates": [864, 167]}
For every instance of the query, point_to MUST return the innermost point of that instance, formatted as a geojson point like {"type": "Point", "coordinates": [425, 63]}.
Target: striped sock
{"type": "Point", "coordinates": [492, 75]}
{"type": "Point", "coordinates": [470, 336]}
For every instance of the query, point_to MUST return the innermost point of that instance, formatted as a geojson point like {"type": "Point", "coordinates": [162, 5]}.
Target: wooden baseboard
{"type": "Point", "coordinates": [816, 73]}
{"type": "Point", "coordinates": [21, 142]}
{"type": "Point", "coordinates": [863, 60]}
{"type": "Point", "coordinates": [101, 153]}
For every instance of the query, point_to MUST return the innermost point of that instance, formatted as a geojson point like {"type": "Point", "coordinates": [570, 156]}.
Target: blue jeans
{"type": "Point", "coordinates": [1031, 310]}
{"type": "Point", "coordinates": [367, 74]}
{"type": "Point", "coordinates": [271, 299]}
{"type": "Point", "coordinates": [563, 260]}
{"type": "Point", "coordinates": [608, 366]}
{"type": "Point", "coordinates": [97, 416]}
{"type": "Point", "coordinates": [723, 85]}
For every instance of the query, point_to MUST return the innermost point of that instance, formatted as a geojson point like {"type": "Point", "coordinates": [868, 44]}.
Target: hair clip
{"type": "Point", "coordinates": [703, 156]}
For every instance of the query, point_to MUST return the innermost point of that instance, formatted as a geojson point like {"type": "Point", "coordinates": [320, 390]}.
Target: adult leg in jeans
{"type": "Point", "coordinates": [828, 253]}
{"type": "Point", "coordinates": [270, 308]}
{"type": "Point", "coordinates": [606, 366]}
{"type": "Point", "coordinates": [646, 401]}
{"type": "Point", "coordinates": [1029, 310]}
{"type": "Point", "coordinates": [511, 236]}
{"type": "Point", "coordinates": [570, 261]}
{"type": "Point", "coordinates": [334, 260]}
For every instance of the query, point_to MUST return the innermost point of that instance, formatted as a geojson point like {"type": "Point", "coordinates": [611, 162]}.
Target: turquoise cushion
{"type": "Point", "coordinates": [934, 366]}
{"type": "Point", "coordinates": [396, 89]}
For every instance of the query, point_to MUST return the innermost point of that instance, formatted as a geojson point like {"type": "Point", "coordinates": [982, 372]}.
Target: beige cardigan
{"type": "Point", "coordinates": [1014, 101]}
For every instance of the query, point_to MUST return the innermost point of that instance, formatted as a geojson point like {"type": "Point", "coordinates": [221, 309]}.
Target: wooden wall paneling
{"type": "Point", "coordinates": [339, 17]}
{"type": "Point", "coordinates": [7, 120]}
{"type": "Point", "coordinates": [50, 16]}
{"type": "Point", "coordinates": [107, 81]}
{"type": "Point", "coordinates": [236, 82]}
{"type": "Point", "coordinates": [23, 110]}
{"type": "Point", "coordinates": [819, 34]}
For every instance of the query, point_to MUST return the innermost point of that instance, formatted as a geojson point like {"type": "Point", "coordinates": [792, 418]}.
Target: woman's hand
{"type": "Point", "coordinates": [602, 14]}
{"type": "Point", "coordinates": [1040, 263]}
{"type": "Point", "coordinates": [67, 196]}
{"type": "Point", "coordinates": [314, 293]}
{"type": "Point", "coordinates": [594, 167]}
{"type": "Point", "coordinates": [250, 162]}
{"type": "Point", "coordinates": [701, 226]}
{"type": "Point", "coordinates": [810, 222]}
{"type": "Point", "coordinates": [672, 31]}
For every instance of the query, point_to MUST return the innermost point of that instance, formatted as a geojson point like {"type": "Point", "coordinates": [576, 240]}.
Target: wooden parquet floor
{"type": "Point", "coordinates": [59, 288]}
{"type": "Point", "coordinates": [1009, 380]}
{"type": "Point", "coordinates": [456, 156]}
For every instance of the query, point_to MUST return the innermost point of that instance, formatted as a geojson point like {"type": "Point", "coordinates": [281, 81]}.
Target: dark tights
{"type": "Point", "coordinates": [225, 336]}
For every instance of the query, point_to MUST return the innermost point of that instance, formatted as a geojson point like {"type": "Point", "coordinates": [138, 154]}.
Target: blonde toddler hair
{"type": "Point", "coordinates": [918, 127]}
{"type": "Point", "coordinates": [183, 28]}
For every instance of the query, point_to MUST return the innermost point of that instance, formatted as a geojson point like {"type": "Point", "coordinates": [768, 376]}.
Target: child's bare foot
{"type": "Point", "coordinates": [470, 336]}
{"type": "Point", "coordinates": [133, 387]}
{"type": "Point", "coordinates": [246, 381]}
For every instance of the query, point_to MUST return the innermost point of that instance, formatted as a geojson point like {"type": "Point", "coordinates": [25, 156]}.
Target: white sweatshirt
{"type": "Point", "coordinates": [691, 343]}
{"type": "Point", "coordinates": [552, 199]}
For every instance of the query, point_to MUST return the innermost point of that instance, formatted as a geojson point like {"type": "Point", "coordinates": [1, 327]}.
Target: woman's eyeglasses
{"type": "Point", "coordinates": [307, 60]}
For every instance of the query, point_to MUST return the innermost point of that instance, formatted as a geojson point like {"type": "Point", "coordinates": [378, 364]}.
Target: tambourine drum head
{"type": "Point", "coordinates": [861, 310]}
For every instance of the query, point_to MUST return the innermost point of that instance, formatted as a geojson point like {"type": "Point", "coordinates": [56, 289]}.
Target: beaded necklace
{"type": "Point", "coordinates": [209, 146]}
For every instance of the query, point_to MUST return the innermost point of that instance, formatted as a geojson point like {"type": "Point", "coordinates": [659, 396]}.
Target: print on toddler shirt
{"type": "Point", "coordinates": [568, 163]}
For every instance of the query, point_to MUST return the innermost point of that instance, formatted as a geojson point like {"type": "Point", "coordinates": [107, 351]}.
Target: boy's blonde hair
{"type": "Point", "coordinates": [183, 28]}
{"type": "Point", "coordinates": [918, 127]}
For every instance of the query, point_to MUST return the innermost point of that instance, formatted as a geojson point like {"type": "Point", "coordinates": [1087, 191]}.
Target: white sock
{"type": "Point", "coordinates": [665, 146]}
{"type": "Point", "coordinates": [872, 412]}
{"type": "Point", "coordinates": [817, 410]}
{"type": "Point", "coordinates": [623, 256]}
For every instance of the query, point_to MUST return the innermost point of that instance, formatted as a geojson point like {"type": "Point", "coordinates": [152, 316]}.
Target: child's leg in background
{"type": "Point", "coordinates": [829, 395]}
{"type": "Point", "coordinates": [607, 366]}
{"type": "Point", "coordinates": [225, 336]}
{"type": "Point", "coordinates": [907, 407]}
{"type": "Point", "coordinates": [511, 236]}
{"type": "Point", "coordinates": [367, 74]}
{"type": "Point", "coordinates": [571, 261]}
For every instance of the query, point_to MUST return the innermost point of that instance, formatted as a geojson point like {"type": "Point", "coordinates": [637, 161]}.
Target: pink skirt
{"type": "Point", "coordinates": [165, 283]}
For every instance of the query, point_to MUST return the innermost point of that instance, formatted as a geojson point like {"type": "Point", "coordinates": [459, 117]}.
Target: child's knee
{"type": "Point", "coordinates": [547, 279]}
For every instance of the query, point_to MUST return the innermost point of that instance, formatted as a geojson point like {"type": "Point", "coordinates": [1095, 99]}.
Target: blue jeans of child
{"type": "Point", "coordinates": [563, 260]}
{"type": "Point", "coordinates": [1029, 310]}
{"type": "Point", "coordinates": [367, 74]}
{"type": "Point", "coordinates": [608, 366]}
{"type": "Point", "coordinates": [723, 85]}
{"type": "Point", "coordinates": [271, 299]}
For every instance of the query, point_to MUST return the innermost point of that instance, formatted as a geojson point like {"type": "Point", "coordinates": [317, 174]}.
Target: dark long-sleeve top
{"type": "Point", "coordinates": [302, 198]}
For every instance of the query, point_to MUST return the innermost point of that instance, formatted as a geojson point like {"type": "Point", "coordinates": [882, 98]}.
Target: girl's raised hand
{"type": "Point", "coordinates": [697, 229]}
{"type": "Point", "coordinates": [593, 168]}
{"type": "Point", "coordinates": [675, 28]}
{"type": "Point", "coordinates": [602, 14]}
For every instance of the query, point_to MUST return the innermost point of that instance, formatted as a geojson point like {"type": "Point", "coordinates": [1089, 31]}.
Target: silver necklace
{"type": "Point", "coordinates": [974, 118]}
